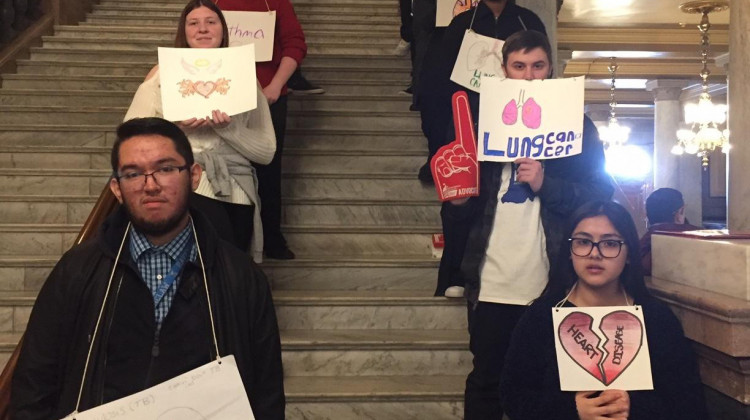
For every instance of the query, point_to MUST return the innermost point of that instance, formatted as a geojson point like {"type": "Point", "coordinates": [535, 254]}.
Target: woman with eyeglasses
{"type": "Point", "coordinates": [599, 265]}
{"type": "Point", "coordinates": [224, 146]}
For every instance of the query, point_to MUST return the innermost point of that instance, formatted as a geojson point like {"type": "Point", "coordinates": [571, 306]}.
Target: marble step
{"type": "Point", "coordinates": [25, 273]}
{"type": "Point", "coordinates": [360, 240]}
{"type": "Point", "coordinates": [61, 67]}
{"type": "Point", "coordinates": [52, 181]}
{"type": "Point", "coordinates": [356, 139]}
{"type": "Point", "coordinates": [315, 310]}
{"type": "Point", "coordinates": [327, 212]}
{"type": "Point", "coordinates": [120, 41]}
{"type": "Point", "coordinates": [385, 121]}
{"type": "Point", "coordinates": [358, 310]}
{"type": "Point", "coordinates": [52, 157]}
{"type": "Point", "coordinates": [365, 87]}
{"type": "Point", "coordinates": [170, 24]}
{"type": "Point", "coordinates": [49, 97]}
{"type": "Point", "coordinates": [11, 114]}
{"type": "Point", "coordinates": [358, 273]}
{"type": "Point", "coordinates": [170, 19]}
{"type": "Point", "coordinates": [366, 62]}
{"type": "Point", "coordinates": [372, 186]}
{"type": "Point", "coordinates": [37, 239]}
{"type": "Point", "coordinates": [299, 8]}
{"type": "Point", "coordinates": [347, 353]}
{"type": "Point", "coordinates": [66, 82]}
{"type": "Point", "coordinates": [352, 161]}
{"type": "Point", "coordinates": [375, 397]}
{"type": "Point", "coordinates": [53, 209]}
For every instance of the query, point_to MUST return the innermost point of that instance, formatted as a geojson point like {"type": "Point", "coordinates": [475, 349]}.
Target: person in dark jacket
{"type": "Point", "coordinates": [156, 321]}
{"type": "Point", "coordinates": [508, 242]}
{"type": "Point", "coordinates": [496, 19]}
{"type": "Point", "coordinates": [600, 266]}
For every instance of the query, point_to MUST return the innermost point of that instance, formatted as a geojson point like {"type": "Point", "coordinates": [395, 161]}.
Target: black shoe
{"type": "Point", "coordinates": [282, 253]}
{"type": "Point", "coordinates": [425, 175]}
{"type": "Point", "coordinates": [301, 86]}
{"type": "Point", "coordinates": [414, 108]}
{"type": "Point", "coordinates": [407, 91]}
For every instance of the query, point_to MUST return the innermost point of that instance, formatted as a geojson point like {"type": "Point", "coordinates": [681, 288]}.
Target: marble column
{"type": "Point", "coordinates": [547, 12]}
{"type": "Point", "coordinates": [738, 187]}
{"type": "Point", "coordinates": [671, 171]}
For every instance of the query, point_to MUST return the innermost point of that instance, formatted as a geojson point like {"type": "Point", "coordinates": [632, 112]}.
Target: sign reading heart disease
{"type": "Point", "coordinates": [602, 347]}
{"type": "Point", "coordinates": [539, 119]}
{"type": "Point", "coordinates": [196, 81]}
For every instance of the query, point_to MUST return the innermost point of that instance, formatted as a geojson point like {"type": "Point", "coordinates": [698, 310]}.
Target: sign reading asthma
{"type": "Point", "coordinates": [538, 119]}
{"type": "Point", "coordinates": [252, 28]}
{"type": "Point", "coordinates": [602, 347]}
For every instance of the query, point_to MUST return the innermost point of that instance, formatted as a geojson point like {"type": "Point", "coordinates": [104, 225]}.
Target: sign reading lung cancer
{"type": "Point", "coordinates": [600, 348]}
{"type": "Point", "coordinates": [196, 81]}
{"type": "Point", "coordinates": [539, 119]}
{"type": "Point", "coordinates": [253, 28]}
{"type": "Point", "coordinates": [480, 57]}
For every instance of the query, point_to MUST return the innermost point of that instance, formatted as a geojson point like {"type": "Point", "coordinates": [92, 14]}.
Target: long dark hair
{"type": "Point", "coordinates": [180, 41]}
{"type": "Point", "coordinates": [563, 276]}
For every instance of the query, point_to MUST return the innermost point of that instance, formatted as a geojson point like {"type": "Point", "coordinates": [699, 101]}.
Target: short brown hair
{"type": "Point", "coordinates": [525, 41]}
{"type": "Point", "coordinates": [180, 40]}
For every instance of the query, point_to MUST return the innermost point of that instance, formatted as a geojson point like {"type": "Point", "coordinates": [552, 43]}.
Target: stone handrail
{"type": "Point", "coordinates": [105, 205]}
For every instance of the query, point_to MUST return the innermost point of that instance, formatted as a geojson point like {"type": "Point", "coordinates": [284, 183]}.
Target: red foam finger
{"type": "Point", "coordinates": [463, 123]}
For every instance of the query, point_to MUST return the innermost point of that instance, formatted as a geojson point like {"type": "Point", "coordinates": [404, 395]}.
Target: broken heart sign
{"type": "Point", "coordinates": [454, 166]}
{"type": "Point", "coordinates": [602, 347]}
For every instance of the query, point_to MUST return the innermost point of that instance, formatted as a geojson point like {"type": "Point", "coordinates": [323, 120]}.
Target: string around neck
{"type": "Point", "coordinates": [561, 303]}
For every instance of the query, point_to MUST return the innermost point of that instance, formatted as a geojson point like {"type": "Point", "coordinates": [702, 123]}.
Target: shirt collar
{"type": "Point", "coordinates": [140, 244]}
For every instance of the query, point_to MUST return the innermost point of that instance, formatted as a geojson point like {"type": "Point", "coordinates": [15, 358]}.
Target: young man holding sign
{"type": "Point", "coordinates": [514, 226]}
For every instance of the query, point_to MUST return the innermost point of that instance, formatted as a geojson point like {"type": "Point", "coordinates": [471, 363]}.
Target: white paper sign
{"type": "Point", "coordinates": [602, 347]}
{"type": "Point", "coordinates": [212, 391]}
{"type": "Point", "coordinates": [480, 57]}
{"type": "Point", "coordinates": [447, 9]}
{"type": "Point", "coordinates": [540, 119]}
{"type": "Point", "coordinates": [253, 28]}
{"type": "Point", "coordinates": [196, 81]}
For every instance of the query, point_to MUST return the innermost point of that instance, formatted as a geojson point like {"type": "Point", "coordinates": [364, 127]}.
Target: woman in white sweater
{"type": "Point", "coordinates": [224, 146]}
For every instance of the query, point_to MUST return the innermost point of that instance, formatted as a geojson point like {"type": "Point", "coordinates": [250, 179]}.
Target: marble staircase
{"type": "Point", "coordinates": [361, 335]}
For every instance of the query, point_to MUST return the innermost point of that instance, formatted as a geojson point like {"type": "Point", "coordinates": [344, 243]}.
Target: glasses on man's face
{"type": "Point", "coordinates": [133, 179]}
{"type": "Point", "coordinates": [608, 248]}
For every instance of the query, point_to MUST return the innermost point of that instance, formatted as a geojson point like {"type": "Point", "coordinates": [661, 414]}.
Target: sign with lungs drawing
{"type": "Point", "coordinates": [602, 347]}
{"type": "Point", "coordinates": [196, 81]}
{"type": "Point", "coordinates": [454, 166]}
{"type": "Point", "coordinates": [538, 119]}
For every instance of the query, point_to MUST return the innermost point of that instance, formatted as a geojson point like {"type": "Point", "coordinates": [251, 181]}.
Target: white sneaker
{"type": "Point", "coordinates": [402, 48]}
{"type": "Point", "coordinates": [454, 292]}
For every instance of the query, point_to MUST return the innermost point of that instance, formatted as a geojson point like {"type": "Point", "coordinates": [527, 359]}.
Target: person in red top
{"type": "Point", "coordinates": [289, 49]}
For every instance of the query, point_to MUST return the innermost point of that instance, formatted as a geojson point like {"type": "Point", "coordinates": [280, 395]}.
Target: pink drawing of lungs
{"type": "Point", "coordinates": [510, 113]}
{"type": "Point", "coordinates": [623, 338]}
{"type": "Point", "coordinates": [531, 114]}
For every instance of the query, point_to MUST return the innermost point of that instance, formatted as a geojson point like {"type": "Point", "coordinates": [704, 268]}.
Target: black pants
{"type": "Point", "coordinates": [233, 222]}
{"type": "Point", "coordinates": [455, 236]}
{"type": "Point", "coordinates": [490, 329]}
{"type": "Point", "coordinates": [269, 181]}
{"type": "Point", "coordinates": [406, 20]}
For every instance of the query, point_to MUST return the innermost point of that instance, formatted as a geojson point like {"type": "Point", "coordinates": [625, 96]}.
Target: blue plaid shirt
{"type": "Point", "coordinates": [155, 262]}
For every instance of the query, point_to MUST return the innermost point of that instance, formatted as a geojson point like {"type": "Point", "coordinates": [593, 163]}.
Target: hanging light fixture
{"type": "Point", "coordinates": [613, 134]}
{"type": "Point", "coordinates": [700, 133]}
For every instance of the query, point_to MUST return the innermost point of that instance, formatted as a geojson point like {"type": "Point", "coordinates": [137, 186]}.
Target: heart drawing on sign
{"type": "Point", "coordinates": [605, 356]}
{"type": "Point", "coordinates": [204, 88]}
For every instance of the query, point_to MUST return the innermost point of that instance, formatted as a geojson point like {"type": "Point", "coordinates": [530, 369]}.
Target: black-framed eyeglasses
{"type": "Point", "coordinates": [608, 248]}
{"type": "Point", "coordinates": [162, 175]}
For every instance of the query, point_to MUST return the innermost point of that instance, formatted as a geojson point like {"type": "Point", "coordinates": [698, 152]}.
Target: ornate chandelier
{"type": "Point", "coordinates": [700, 134]}
{"type": "Point", "coordinates": [613, 134]}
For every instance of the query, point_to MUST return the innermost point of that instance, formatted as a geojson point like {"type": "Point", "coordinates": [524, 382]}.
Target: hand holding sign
{"type": "Point", "coordinates": [454, 166]}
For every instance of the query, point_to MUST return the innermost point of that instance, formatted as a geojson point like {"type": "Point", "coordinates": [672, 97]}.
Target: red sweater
{"type": "Point", "coordinates": [288, 41]}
